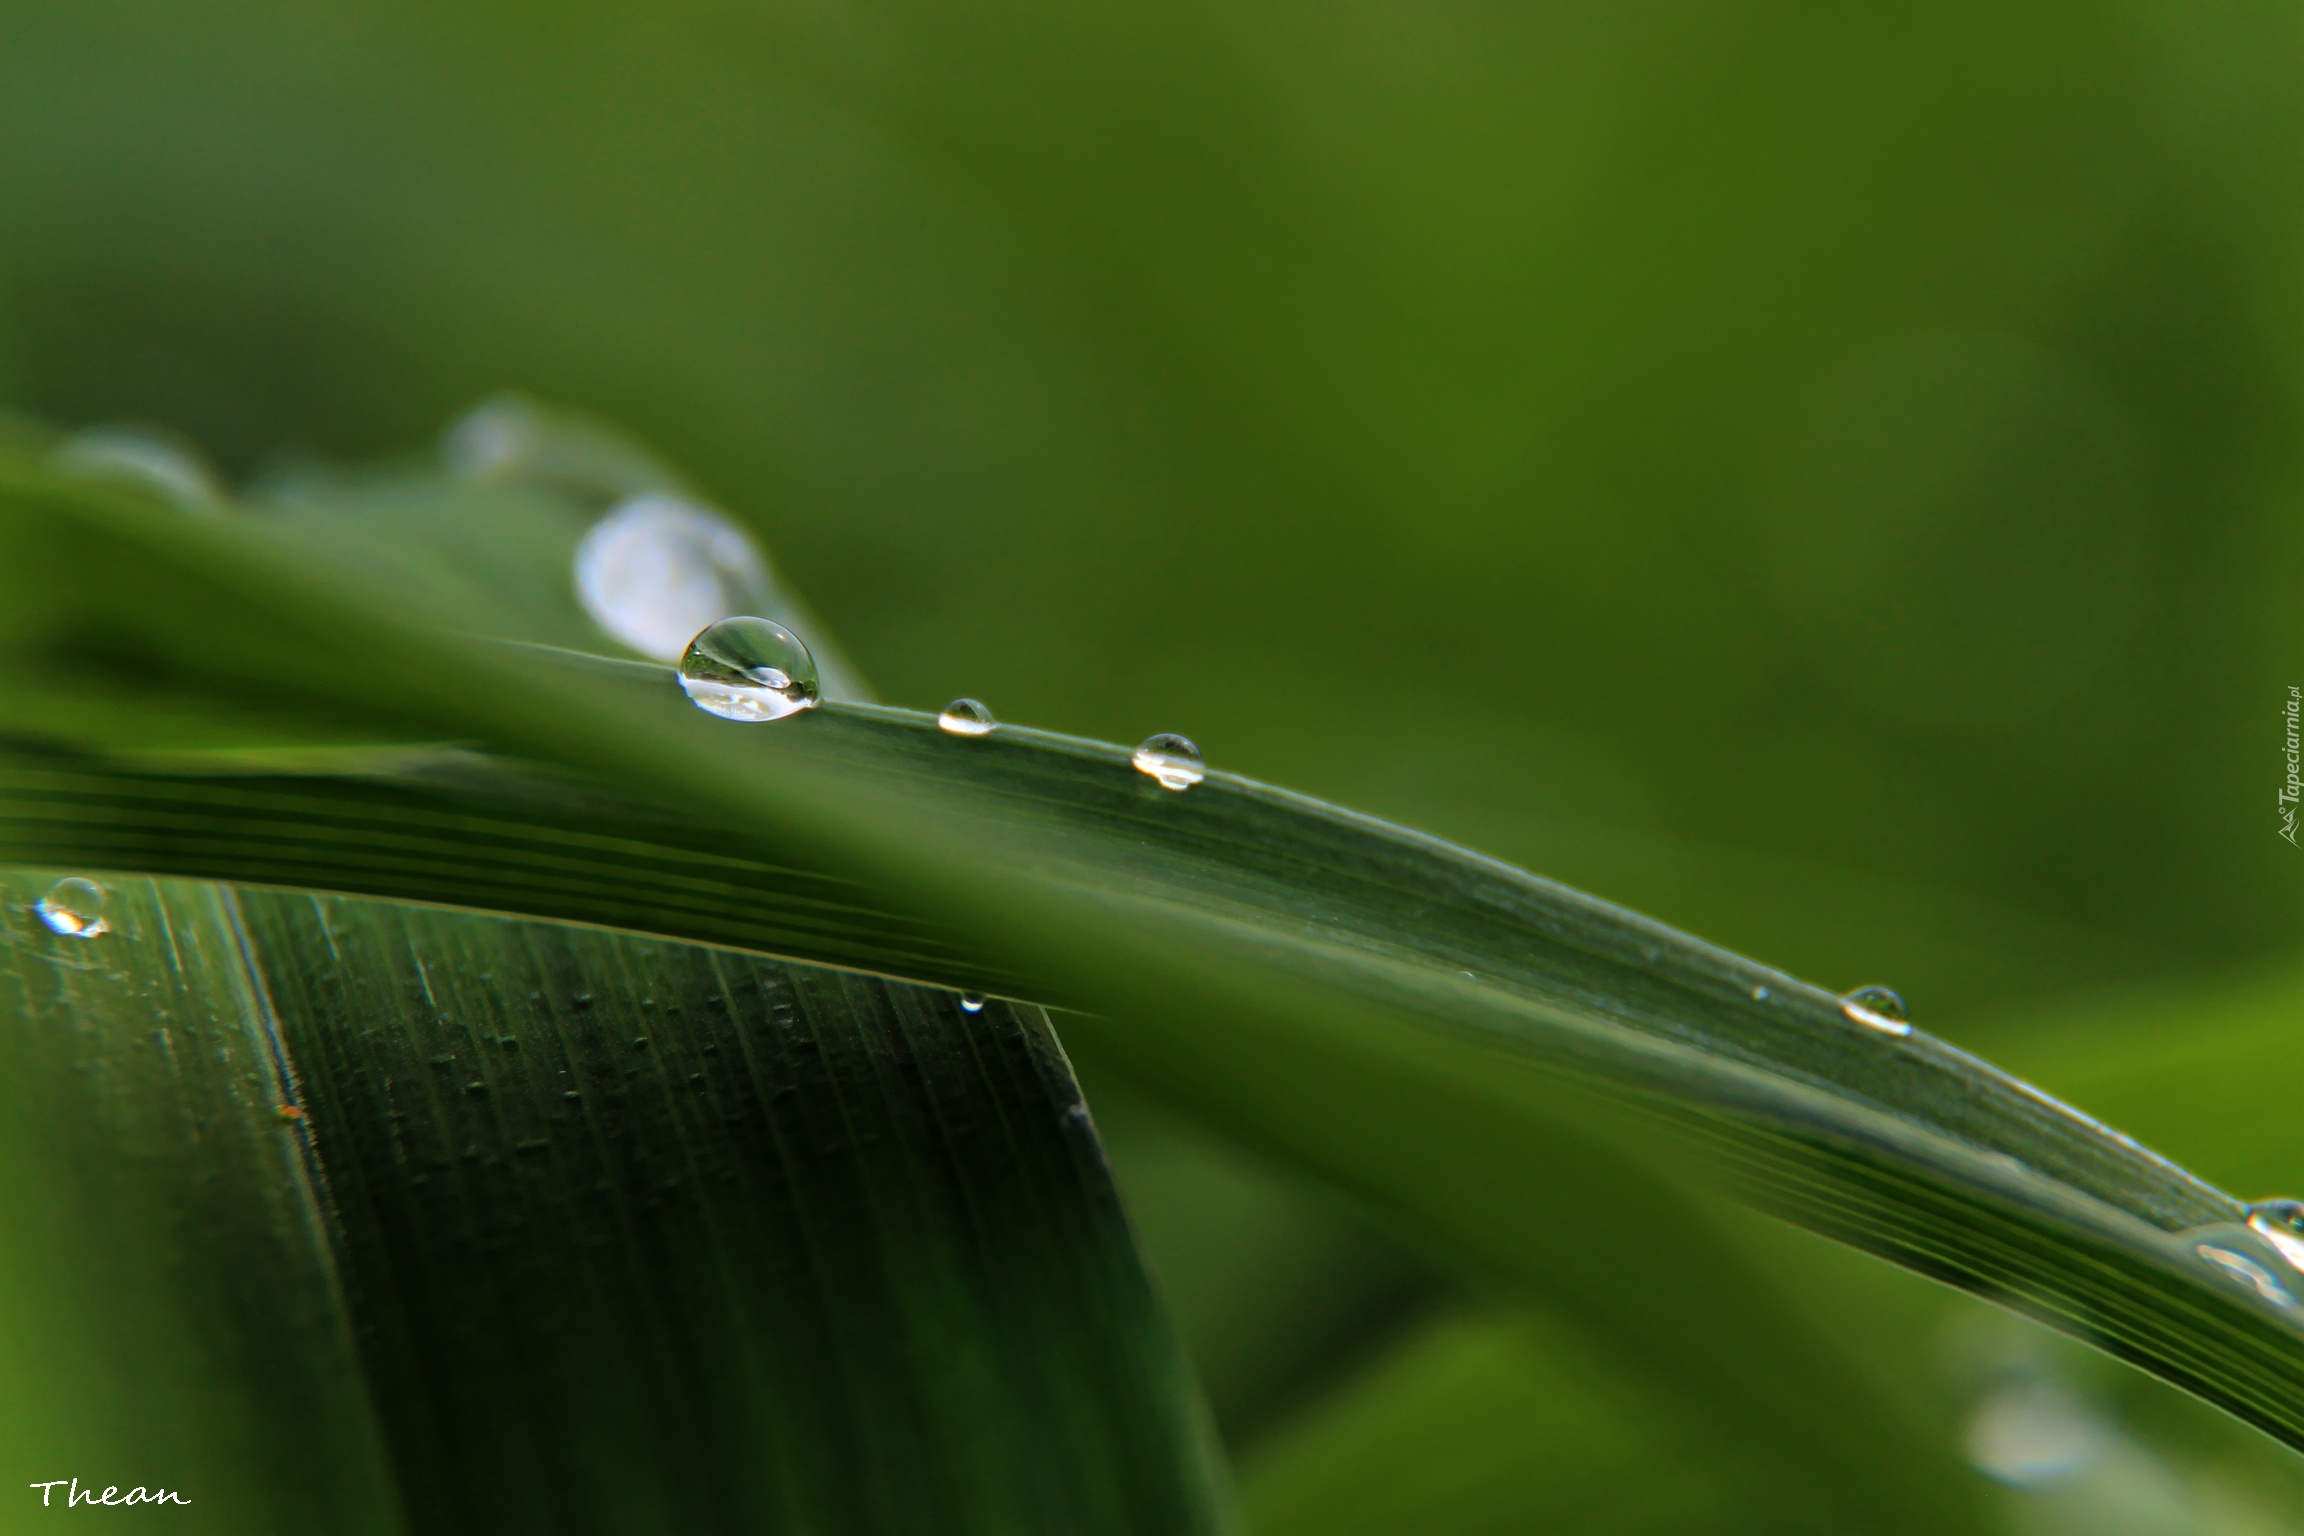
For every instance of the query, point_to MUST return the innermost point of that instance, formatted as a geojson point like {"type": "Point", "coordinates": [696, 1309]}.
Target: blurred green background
{"type": "Point", "coordinates": [1823, 476]}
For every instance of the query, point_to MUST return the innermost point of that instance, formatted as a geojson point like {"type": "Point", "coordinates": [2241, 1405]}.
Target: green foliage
{"type": "Point", "coordinates": [1822, 480]}
{"type": "Point", "coordinates": [1421, 1025]}
{"type": "Point", "coordinates": [330, 1214]}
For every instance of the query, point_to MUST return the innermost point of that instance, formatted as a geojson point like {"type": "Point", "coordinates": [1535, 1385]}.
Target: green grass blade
{"type": "Point", "coordinates": [649, 1236]}
{"type": "Point", "coordinates": [1337, 988]}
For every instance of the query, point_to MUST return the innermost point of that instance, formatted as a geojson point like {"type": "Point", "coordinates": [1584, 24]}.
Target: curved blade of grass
{"type": "Point", "coordinates": [619, 1234]}
{"type": "Point", "coordinates": [1728, 1344]}
{"type": "Point", "coordinates": [1239, 939]}
{"type": "Point", "coordinates": [505, 555]}
{"type": "Point", "coordinates": [649, 1236]}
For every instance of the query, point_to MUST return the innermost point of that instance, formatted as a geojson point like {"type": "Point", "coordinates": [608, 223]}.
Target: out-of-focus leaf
{"type": "Point", "coordinates": [1484, 1425]}
{"type": "Point", "coordinates": [1280, 1288]}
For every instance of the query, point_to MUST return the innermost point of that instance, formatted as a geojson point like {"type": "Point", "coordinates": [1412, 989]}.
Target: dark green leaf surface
{"type": "Point", "coordinates": [626, 1235]}
{"type": "Point", "coordinates": [172, 1317]}
{"type": "Point", "coordinates": [648, 1236]}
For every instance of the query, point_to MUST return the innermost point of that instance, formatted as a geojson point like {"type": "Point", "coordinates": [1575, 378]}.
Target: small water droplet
{"type": "Point", "coordinates": [658, 568]}
{"type": "Point", "coordinates": [1877, 1008]}
{"type": "Point", "coordinates": [1760, 994]}
{"type": "Point", "coordinates": [966, 717]}
{"type": "Point", "coordinates": [971, 1003]}
{"type": "Point", "coordinates": [495, 439]}
{"type": "Point", "coordinates": [1172, 762]}
{"type": "Point", "coordinates": [149, 459]}
{"type": "Point", "coordinates": [749, 669]}
{"type": "Point", "coordinates": [74, 908]}
{"type": "Point", "coordinates": [2280, 1223]}
{"type": "Point", "coordinates": [509, 438]}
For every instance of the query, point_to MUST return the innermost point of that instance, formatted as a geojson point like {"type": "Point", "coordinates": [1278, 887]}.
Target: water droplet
{"type": "Point", "coordinates": [1170, 761]}
{"type": "Point", "coordinates": [966, 717]}
{"type": "Point", "coordinates": [971, 1003]}
{"type": "Point", "coordinates": [1760, 994]}
{"type": "Point", "coordinates": [75, 908]}
{"type": "Point", "coordinates": [749, 669]}
{"type": "Point", "coordinates": [509, 438]}
{"type": "Point", "coordinates": [658, 568]}
{"type": "Point", "coordinates": [2280, 1223]}
{"type": "Point", "coordinates": [494, 440]}
{"type": "Point", "coordinates": [149, 459]}
{"type": "Point", "coordinates": [2240, 1267]}
{"type": "Point", "coordinates": [2032, 1433]}
{"type": "Point", "coordinates": [1877, 1008]}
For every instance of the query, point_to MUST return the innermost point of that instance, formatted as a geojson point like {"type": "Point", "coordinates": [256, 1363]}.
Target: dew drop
{"type": "Point", "coordinates": [2242, 1268]}
{"type": "Point", "coordinates": [511, 439]}
{"type": "Point", "coordinates": [658, 568]}
{"type": "Point", "coordinates": [966, 717]}
{"type": "Point", "coordinates": [749, 669]}
{"type": "Point", "coordinates": [494, 440]}
{"type": "Point", "coordinates": [2280, 1223]}
{"type": "Point", "coordinates": [149, 459]}
{"type": "Point", "coordinates": [971, 1003]}
{"type": "Point", "coordinates": [74, 908]}
{"type": "Point", "coordinates": [1877, 1008]}
{"type": "Point", "coordinates": [1172, 762]}
{"type": "Point", "coordinates": [1760, 994]}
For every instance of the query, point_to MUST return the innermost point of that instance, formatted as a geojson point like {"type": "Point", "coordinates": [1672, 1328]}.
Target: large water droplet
{"type": "Point", "coordinates": [2280, 1223]}
{"type": "Point", "coordinates": [966, 717]}
{"type": "Point", "coordinates": [1877, 1008]}
{"type": "Point", "coordinates": [1170, 761]}
{"type": "Point", "coordinates": [971, 1003]}
{"type": "Point", "coordinates": [149, 459]}
{"type": "Point", "coordinates": [75, 908]}
{"type": "Point", "coordinates": [659, 568]}
{"type": "Point", "coordinates": [749, 669]}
